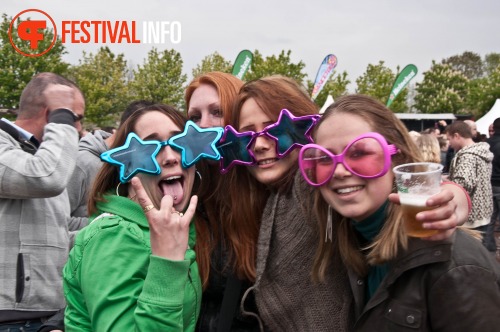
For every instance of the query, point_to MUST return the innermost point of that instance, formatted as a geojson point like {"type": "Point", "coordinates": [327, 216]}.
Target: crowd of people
{"type": "Point", "coordinates": [469, 160]}
{"type": "Point", "coordinates": [245, 243]}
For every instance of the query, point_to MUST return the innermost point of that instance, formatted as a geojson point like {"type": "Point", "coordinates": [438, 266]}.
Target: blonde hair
{"type": "Point", "coordinates": [428, 145]}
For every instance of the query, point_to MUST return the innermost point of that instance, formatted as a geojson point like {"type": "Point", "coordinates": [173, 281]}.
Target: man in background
{"type": "Point", "coordinates": [473, 128]}
{"type": "Point", "coordinates": [37, 158]}
{"type": "Point", "coordinates": [471, 168]}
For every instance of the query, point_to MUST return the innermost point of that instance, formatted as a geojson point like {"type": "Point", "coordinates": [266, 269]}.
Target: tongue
{"type": "Point", "coordinates": [173, 189]}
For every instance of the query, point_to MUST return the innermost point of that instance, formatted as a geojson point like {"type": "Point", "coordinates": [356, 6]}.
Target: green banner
{"type": "Point", "coordinates": [401, 81]}
{"type": "Point", "coordinates": [242, 63]}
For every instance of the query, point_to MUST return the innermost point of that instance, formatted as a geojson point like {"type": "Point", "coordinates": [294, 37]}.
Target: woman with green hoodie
{"type": "Point", "coordinates": [133, 266]}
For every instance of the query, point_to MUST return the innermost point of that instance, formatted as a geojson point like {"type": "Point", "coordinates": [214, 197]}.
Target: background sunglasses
{"type": "Point", "coordinates": [367, 156]}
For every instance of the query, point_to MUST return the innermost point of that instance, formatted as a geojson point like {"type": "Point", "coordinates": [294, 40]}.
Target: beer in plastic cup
{"type": "Point", "coordinates": [416, 182]}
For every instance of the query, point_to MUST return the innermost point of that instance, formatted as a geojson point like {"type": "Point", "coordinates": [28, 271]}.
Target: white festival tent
{"type": "Point", "coordinates": [328, 102]}
{"type": "Point", "coordinates": [487, 119]}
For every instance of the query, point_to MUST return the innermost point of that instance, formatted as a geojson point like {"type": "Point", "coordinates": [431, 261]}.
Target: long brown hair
{"type": "Point", "coordinates": [390, 238]}
{"type": "Point", "coordinates": [108, 177]}
{"type": "Point", "coordinates": [247, 196]}
{"type": "Point", "coordinates": [272, 94]}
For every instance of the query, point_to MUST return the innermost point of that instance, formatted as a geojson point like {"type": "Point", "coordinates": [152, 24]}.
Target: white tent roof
{"type": "Point", "coordinates": [483, 123]}
{"type": "Point", "coordinates": [328, 102]}
{"type": "Point", "coordinates": [425, 116]}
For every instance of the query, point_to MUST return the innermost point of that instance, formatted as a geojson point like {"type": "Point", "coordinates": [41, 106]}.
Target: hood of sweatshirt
{"type": "Point", "coordinates": [481, 149]}
{"type": "Point", "coordinates": [94, 143]}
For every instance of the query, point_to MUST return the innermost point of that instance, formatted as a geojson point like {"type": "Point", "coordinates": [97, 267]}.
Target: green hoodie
{"type": "Point", "coordinates": [112, 282]}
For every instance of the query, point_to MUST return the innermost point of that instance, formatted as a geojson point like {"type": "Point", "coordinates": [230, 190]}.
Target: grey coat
{"type": "Point", "coordinates": [88, 164]}
{"type": "Point", "coordinates": [34, 211]}
{"type": "Point", "coordinates": [286, 297]}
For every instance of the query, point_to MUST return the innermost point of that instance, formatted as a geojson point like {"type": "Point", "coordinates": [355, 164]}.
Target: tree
{"type": "Point", "coordinates": [18, 70]}
{"type": "Point", "coordinates": [275, 65]}
{"type": "Point", "coordinates": [443, 90]}
{"type": "Point", "coordinates": [483, 93]}
{"type": "Point", "coordinates": [102, 78]}
{"type": "Point", "coordinates": [377, 82]}
{"type": "Point", "coordinates": [336, 86]}
{"type": "Point", "coordinates": [213, 62]}
{"type": "Point", "coordinates": [160, 78]}
{"type": "Point", "coordinates": [468, 63]}
{"type": "Point", "coordinates": [491, 63]}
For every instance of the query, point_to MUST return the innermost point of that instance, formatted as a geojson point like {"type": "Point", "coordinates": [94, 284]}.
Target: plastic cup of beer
{"type": "Point", "coordinates": [416, 182]}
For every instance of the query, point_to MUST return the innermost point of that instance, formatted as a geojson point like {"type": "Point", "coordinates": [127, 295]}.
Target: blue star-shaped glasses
{"type": "Point", "coordinates": [288, 132]}
{"type": "Point", "coordinates": [137, 155]}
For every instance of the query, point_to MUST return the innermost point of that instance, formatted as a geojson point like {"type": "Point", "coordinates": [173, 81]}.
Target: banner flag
{"type": "Point", "coordinates": [404, 77]}
{"type": "Point", "coordinates": [324, 72]}
{"type": "Point", "coordinates": [242, 63]}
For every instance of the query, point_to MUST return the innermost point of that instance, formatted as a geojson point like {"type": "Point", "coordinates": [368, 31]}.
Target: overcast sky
{"type": "Point", "coordinates": [359, 33]}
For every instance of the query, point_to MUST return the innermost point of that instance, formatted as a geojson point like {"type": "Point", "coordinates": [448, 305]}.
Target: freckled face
{"type": "Point", "coordinates": [204, 107]}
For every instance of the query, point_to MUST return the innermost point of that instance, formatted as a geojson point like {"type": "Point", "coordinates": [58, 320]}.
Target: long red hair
{"type": "Point", "coordinates": [214, 225]}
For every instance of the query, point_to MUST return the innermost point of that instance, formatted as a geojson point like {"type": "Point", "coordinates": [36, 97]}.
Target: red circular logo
{"type": "Point", "coordinates": [29, 31]}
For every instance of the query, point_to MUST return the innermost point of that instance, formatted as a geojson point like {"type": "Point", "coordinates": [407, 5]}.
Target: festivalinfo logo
{"type": "Point", "coordinates": [30, 36]}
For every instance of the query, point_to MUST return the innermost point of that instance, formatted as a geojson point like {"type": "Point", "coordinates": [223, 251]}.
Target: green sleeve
{"type": "Point", "coordinates": [125, 288]}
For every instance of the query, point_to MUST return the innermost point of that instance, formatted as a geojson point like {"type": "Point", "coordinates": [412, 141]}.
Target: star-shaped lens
{"type": "Point", "coordinates": [233, 148]}
{"type": "Point", "coordinates": [196, 143]}
{"type": "Point", "coordinates": [291, 131]}
{"type": "Point", "coordinates": [134, 156]}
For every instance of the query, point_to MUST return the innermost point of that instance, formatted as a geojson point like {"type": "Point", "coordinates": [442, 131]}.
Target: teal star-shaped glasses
{"type": "Point", "coordinates": [196, 143]}
{"type": "Point", "coordinates": [134, 156]}
{"type": "Point", "coordinates": [137, 155]}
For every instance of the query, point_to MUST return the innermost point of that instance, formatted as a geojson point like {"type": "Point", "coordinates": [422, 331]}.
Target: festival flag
{"type": "Point", "coordinates": [324, 72]}
{"type": "Point", "coordinates": [242, 63]}
{"type": "Point", "coordinates": [404, 77]}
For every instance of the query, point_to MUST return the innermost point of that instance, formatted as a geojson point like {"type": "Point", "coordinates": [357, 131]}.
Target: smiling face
{"type": "Point", "coordinates": [173, 179]}
{"type": "Point", "coordinates": [204, 107]}
{"type": "Point", "coordinates": [269, 168]}
{"type": "Point", "coordinates": [352, 196]}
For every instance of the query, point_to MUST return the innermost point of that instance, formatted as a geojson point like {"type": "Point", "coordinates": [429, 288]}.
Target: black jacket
{"type": "Point", "coordinates": [494, 141]}
{"type": "Point", "coordinates": [434, 286]}
{"type": "Point", "coordinates": [213, 296]}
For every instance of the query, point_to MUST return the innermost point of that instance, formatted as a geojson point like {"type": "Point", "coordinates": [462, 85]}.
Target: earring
{"type": "Point", "coordinates": [197, 183]}
{"type": "Point", "coordinates": [117, 188]}
{"type": "Point", "coordinates": [118, 191]}
{"type": "Point", "coordinates": [328, 235]}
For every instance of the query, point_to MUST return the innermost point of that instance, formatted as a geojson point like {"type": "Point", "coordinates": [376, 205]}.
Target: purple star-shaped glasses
{"type": "Point", "coordinates": [288, 132]}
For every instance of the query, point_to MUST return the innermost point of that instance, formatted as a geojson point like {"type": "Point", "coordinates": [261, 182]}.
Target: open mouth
{"type": "Point", "coordinates": [173, 186]}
